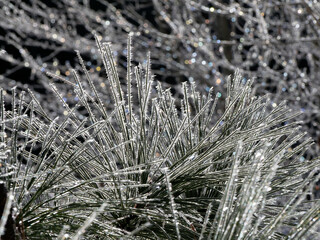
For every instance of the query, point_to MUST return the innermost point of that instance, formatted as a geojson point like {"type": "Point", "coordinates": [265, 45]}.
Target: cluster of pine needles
{"type": "Point", "coordinates": [154, 167]}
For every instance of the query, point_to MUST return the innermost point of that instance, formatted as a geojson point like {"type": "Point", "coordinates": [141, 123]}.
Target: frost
{"type": "Point", "coordinates": [143, 164]}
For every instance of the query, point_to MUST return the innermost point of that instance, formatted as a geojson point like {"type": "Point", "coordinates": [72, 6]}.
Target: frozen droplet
{"type": "Point", "coordinates": [267, 188]}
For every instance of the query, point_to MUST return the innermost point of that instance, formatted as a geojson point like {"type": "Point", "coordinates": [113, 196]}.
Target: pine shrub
{"type": "Point", "coordinates": [154, 167]}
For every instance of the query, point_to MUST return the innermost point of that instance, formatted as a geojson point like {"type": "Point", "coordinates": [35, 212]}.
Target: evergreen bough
{"type": "Point", "coordinates": [155, 169]}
